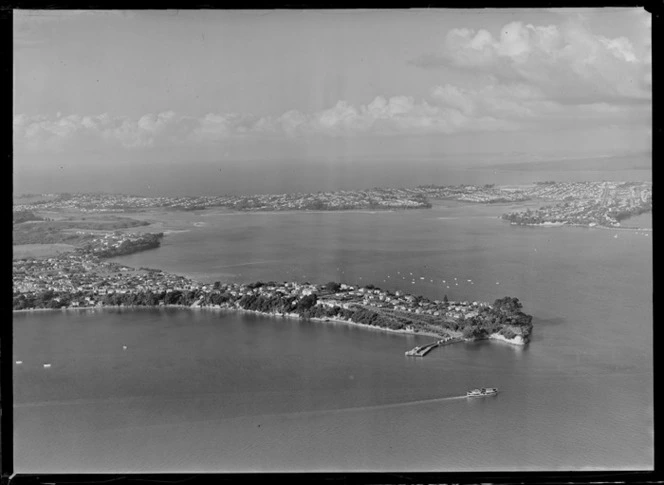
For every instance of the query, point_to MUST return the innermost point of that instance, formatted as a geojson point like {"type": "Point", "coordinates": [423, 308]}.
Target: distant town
{"type": "Point", "coordinates": [586, 203]}
{"type": "Point", "coordinates": [578, 203]}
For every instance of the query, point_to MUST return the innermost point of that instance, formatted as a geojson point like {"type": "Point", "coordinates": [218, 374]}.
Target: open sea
{"type": "Point", "coordinates": [205, 390]}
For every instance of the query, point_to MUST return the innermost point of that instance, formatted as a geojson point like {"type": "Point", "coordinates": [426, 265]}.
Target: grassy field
{"type": "Point", "coordinates": [39, 250]}
{"type": "Point", "coordinates": [64, 231]}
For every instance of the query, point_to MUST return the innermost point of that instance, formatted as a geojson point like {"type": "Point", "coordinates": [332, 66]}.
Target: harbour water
{"type": "Point", "coordinates": [208, 391]}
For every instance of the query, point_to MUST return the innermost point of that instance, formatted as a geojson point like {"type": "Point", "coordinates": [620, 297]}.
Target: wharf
{"type": "Point", "coordinates": [425, 349]}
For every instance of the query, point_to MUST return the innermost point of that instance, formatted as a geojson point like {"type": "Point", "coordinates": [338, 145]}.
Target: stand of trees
{"type": "Point", "coordinates": [147, 241]}
{"type": "Point", "coordinates": [505, 317]}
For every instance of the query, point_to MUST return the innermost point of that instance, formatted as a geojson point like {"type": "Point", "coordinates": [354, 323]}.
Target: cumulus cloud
{"type": "Point", "coordinates": [382, 116]}
{"type": "Point", "coordinates": [566, 61]}
{"type": "Point", "coordinates": [449, 109]}
{"type": "Point", "coordinates": [529, 106]}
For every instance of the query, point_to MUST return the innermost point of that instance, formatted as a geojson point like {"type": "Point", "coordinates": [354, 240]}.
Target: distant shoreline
{"type": "Point", "coordinates": [586, 226]}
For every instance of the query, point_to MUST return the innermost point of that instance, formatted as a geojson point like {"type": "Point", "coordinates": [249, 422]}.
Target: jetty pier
{"type": "Point", "coordinates": [423, 350]}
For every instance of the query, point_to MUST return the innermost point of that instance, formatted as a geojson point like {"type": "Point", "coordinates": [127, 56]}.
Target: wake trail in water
{"type": "Point", "coordinates": [250, 263]}
{"type": "Point", "coordinates": [388, 406]}
{"type": "Point", "coordinates": [138, 399]}
{"type": "Point", "coordinates": [247, 418]}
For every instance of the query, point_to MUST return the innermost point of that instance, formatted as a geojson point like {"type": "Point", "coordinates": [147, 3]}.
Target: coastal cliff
{"type": "Point", "coordinates": [516, 340]}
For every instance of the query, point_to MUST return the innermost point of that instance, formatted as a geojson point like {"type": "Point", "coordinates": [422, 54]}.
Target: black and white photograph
{"type": "Point", "coordinates": [321, 241]}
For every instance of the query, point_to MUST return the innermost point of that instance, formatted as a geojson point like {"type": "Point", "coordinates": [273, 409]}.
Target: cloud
{"type": "Point", "coordinates": [381, 117]}
{"type": "Point", "coordinates": [566, 61]}
{"type": "Point", "coordinates": [495, 106]}
{"type": "Point", "coordinates": [528, 106]}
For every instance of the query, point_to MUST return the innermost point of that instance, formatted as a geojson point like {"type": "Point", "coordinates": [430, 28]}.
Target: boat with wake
{"type": "Point", "coordinates": [482, 391]}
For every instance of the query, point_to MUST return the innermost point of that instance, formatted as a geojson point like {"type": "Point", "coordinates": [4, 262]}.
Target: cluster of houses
{"type": "Point", "coordinates": [87, 273]}
{"type": "Point", "coordinates": [348, 296]}
{"type": "Point", "coordinates": [620, 193]}
{"type": "Point", "coordinates": [115, 240]}
{"type": "Point", "coordinates": [339, 200]}
{"type": "Point", "coordinates": [586, 203]}
{"type": "Point", "coordinates": [482, 194]}
{"type": "Point", "coordinates": [603, 192]}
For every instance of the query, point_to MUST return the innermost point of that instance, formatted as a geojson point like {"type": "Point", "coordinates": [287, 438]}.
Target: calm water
{"type": "Point", "coordinates": [201, 391]}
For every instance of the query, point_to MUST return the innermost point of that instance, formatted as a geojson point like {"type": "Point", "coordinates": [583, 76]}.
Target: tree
{"type": "Point", "coordinates": [173, 298]}
{"type": "Point", "coordinates": [446, 300]}
{"type": "Point", "coordinates": [306, 302]}
{"type": "Point", "coordinates": [507, 305]}
{"type": "Point", "coordinates": [332, 286]}
{"type": "Point", "coordinates": [474, 332]}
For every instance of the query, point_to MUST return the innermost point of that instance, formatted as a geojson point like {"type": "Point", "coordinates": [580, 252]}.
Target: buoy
{"type": "Point", "coordinates": [124, 347]}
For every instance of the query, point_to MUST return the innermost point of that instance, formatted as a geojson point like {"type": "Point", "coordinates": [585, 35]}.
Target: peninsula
{"type": "Point", "coordinates": [83, 280]}
{"type": "Point", "coordinates": [578, 203]}
{"type": "Point", "coordinates": [587, 204]}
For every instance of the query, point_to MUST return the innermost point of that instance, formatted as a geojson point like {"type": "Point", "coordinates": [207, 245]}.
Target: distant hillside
{"type": "Point", "coordinates": [623, 162]}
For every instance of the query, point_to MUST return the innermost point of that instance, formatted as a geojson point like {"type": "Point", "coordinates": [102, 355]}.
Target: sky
{"type": "Point", "coordinates": [176, 87]}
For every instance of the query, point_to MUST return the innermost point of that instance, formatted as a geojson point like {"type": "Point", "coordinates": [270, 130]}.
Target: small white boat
{"type": "Point", "coordinates": [19, 362]}
{"type": "Point", "coordinates": [46, 366]}
{"type": "Point", "coordinates": [482, 391]}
